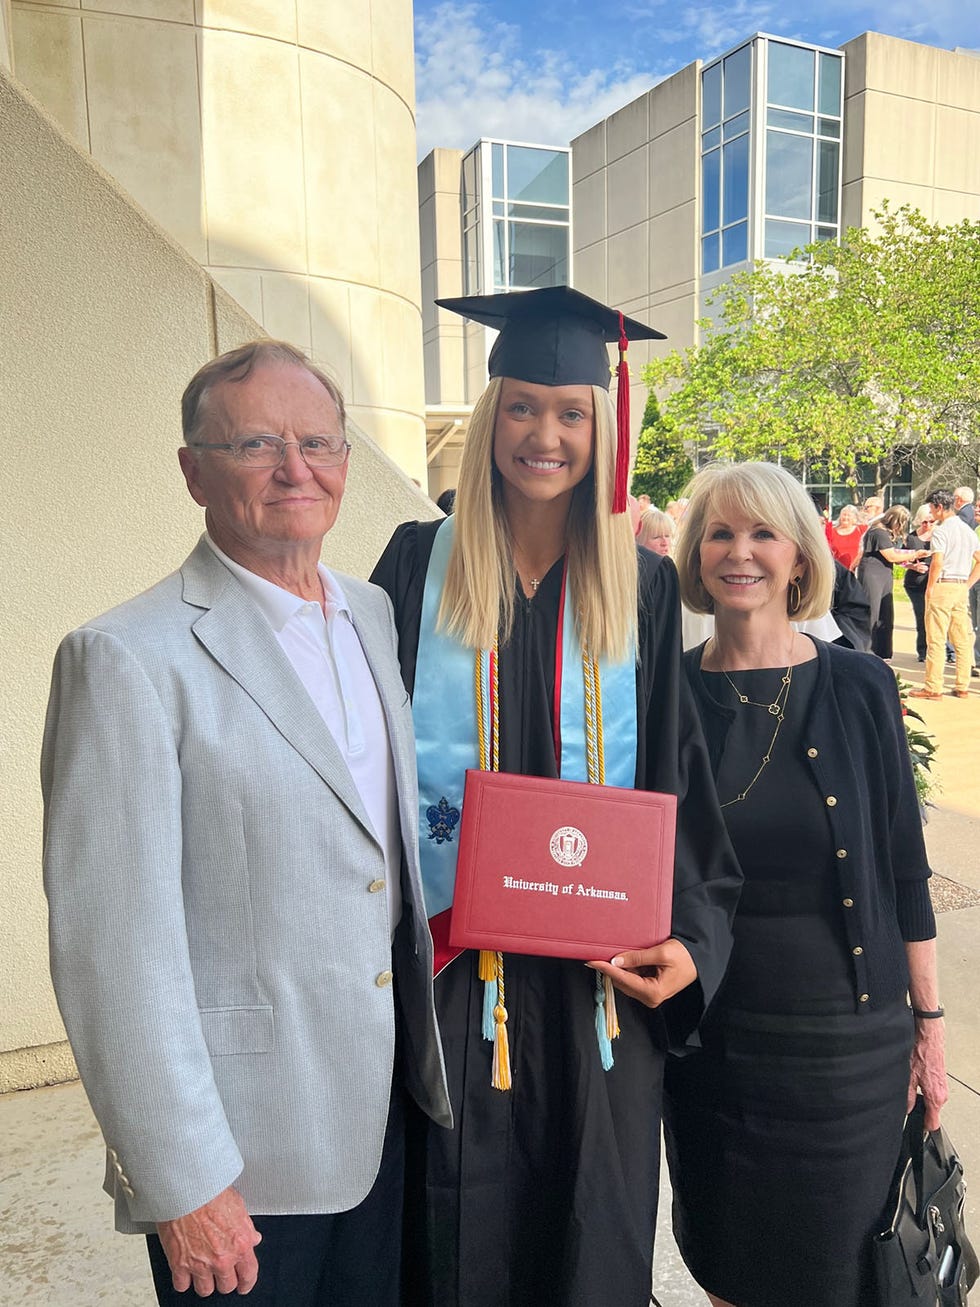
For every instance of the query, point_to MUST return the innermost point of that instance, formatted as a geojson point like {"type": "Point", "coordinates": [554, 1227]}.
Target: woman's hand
{"type": "Point", "coordinates": [651, 975]}
{"type": "Point", "coordinates": [928, 1069]}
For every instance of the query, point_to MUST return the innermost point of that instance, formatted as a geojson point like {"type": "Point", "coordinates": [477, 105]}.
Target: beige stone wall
{"type": "Point", "coordinates": [634, 208]}
{"type": "Point", "coordinates": [912, 128]}
{"type": "Point", "coordinates": [105, 320]}
{"type": "Point", "coordinates": [275, 140]}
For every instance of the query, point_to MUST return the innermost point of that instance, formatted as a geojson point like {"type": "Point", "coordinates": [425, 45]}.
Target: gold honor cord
{"type": "Point", "coordinates": [491, 963]}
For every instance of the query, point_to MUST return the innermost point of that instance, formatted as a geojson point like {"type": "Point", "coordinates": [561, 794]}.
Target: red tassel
{"type": "Point", "coordinates": [622, 424]}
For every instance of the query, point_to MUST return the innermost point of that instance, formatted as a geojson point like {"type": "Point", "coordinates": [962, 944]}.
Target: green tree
{"type": "Point", "coordinates": [860, 352]}
{"type": "Point", "coordinates": [662, 468]}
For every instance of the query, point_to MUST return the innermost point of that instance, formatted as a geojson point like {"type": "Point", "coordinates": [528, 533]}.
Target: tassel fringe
{"type": "Point", "coordinates": [601, 1031]}
{"type": "Point", "coordinates": [500, 1076]}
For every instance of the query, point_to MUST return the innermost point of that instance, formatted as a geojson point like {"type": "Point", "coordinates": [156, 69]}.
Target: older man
{"type": "Point", "coordinates": [953, 568]}
{"type": "Point", "coordinates": [238, 941]}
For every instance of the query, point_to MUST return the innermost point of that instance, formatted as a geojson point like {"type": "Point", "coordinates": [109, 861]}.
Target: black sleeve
{"type": "Point", "coordinates": [400, 572]}
{"type": "Point", "coordinates": [851, 609]}
{"type": "Point", "coordinates": [673, 758]}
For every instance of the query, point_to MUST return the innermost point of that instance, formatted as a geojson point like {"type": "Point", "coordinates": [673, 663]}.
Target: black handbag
{"type": "Point", "coordinates": [923, 1257]}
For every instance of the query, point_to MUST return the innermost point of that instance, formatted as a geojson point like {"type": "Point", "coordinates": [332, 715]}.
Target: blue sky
{"type": "Point", "coordinates": [545, 70]}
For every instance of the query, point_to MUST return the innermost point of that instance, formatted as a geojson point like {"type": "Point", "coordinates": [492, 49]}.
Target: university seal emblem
{"type": "Point", "coordinates": [569, 846]}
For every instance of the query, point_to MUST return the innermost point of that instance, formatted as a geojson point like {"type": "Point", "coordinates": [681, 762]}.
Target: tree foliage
{"type": "Point", "coordinates": [861, 352]}
{"type": "Point", "coordinates": [662, 468]}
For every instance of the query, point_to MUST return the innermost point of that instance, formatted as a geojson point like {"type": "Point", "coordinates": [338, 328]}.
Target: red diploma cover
{"type": "Point", "coordinates": [562, 868]}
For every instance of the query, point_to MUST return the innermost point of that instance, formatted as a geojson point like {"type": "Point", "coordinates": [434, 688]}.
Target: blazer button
{"type": "Point", "coordinates": [384, 979]}
{"type": "Point", "coordinates": [375, 886]}
{"type": "Point", "coordinates": [863, 998]}
{"type": "Point", "coordinates": [848, 903]}
{"type": "Point", "coordinates": [857, 951]}
{"type": "Point", "coordinates": [811, 753]}
{"type": "Point", "coordinates": [842, 853]}
{"type": "Point", "coordinates": [831, 801]}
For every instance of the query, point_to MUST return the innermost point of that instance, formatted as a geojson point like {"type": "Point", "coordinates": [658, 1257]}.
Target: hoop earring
{"type": "Point", "coordinates": [795, 600]}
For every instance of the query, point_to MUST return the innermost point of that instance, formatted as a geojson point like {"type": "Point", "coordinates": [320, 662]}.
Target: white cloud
{"type": "Point", "coordinates": [474, 78]}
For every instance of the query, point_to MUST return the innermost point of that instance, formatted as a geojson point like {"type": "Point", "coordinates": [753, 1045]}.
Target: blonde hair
{"type": "Point", "coordinates": [653, 523]}
{"type": "Point", "coordinates": [477, 602]}
{"type": "Point", "coordinates": [766, 493]}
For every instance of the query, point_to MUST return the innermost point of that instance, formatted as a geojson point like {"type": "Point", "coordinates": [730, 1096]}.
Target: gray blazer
{"type": "Point", "coordinates": [220, 959]}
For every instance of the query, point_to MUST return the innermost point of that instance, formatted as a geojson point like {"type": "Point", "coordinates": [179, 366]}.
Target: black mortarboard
{"type": "Point", "coordinates": [557, 336]}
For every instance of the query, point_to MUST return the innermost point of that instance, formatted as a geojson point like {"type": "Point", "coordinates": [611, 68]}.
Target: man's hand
{"type": "Point", "coordinates": [212, 1247]}
{"type": "Point", "coordinates": [651, 975]}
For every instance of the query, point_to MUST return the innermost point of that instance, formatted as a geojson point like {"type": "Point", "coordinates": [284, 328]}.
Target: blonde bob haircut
{"type": "Point", "coordinates": [477, 603]}
{"type": "Point", "coordinates": [767, 494]}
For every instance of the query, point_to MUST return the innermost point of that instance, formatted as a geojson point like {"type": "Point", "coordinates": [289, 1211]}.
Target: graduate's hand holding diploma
{"type": "Point", "coordinates": [651, 975]}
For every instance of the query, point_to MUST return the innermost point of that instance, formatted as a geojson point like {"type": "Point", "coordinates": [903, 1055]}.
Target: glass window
{"type": "Point", "coordinates": [471, 261]}
{"type": "Point", "coordinates": [791, 75]}
{"type": "Point", "coordinates": [538, 255]}
{"type": "Point", "coordinates": [711, 253]}
{"type": "Point", "coordinates": [711, 138]}
{"type": "Point", "coordinates": [830, 73]}
{"type": "Point", "coordinates": [497, 164]}
{"type": "Point", "coordinates": [735, 244]}
{"type": "Point", "coordinates": [498, 208]}
{"type": "Point", "coordinates": [711, 191]}
{"type": "Point", "coordinates": [537, 175]}
{"type": "Point", "coordinates": [735, 126]}
{"type": "Point", "coordinates": [470, 192]}
{"type": "Point", "coordinates": [782, 238]}
{"type": "Point", "coordinates": [539, 213]}
{"type": "Point", "coordinates": [790, 121]}
{"type": "Point", "coordinates": [738, 76]}
{"type": "Point", "coordinates": [735, 180]}
{"type": "Point", "coordinates": [711, 96]}
{"type": "Point", "coordinates": [826, 233]}
{"type": "Point", "coordinates": [499, 254]}
{"type": "Point", "coordinates": [828, 171]}
{"type": "Point", "coordinates": [829, 127]}
{"type": "Point", "coordinates": [789, 175]}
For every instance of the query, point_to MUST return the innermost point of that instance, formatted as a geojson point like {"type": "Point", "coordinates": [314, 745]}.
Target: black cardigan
{"type": "Point", "coordinates": [859, 760]}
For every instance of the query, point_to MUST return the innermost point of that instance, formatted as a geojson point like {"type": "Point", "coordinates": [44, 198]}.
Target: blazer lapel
{"type": "Point", "coordinates": [238, 637]}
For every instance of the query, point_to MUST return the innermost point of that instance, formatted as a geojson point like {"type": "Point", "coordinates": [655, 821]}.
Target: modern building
{"type": "Point", "coordinates": [746, 156]}
{"type": "Point", "coordinates": [177, 175]}
{"type": "Point", "coordinates": [495, 218]}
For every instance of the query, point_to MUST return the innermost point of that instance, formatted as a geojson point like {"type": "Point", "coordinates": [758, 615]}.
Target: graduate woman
{"type": "Point", "coordinates": [529, 609]}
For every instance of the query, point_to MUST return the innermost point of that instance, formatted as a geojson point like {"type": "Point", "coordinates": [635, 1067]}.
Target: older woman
{"type": "Point", "coordinates": [881, 550]}
{"type": "Point", "coordinates": [783, 1134]}
{"type": "Point", "coordinates": [546, 1192]}
{"type": "Point", "coordinates": [656, 531]}
{"type": "Point", "coordinates": [845, 538]}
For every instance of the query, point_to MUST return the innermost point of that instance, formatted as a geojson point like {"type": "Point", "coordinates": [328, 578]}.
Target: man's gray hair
{"type": "Point", "coordinates": [965, 493]}
{"type": "Point", "coordinates": [236, 365]}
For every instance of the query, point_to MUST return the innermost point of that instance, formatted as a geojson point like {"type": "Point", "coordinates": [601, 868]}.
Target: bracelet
{"type": "Point", "coordinates": [929, 1016]}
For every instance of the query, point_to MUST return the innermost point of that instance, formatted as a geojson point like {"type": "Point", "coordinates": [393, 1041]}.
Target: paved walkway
{"type": "Point", "coordinates": [56, 1245]}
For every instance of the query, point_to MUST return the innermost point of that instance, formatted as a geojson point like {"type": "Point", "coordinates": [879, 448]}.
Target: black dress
{"type": "Point", "coordinates": [877, 576]}
{"type": "Point", "coordinates": [547, 1194]}
{"type": "Point", "coordinates": [783, 1134]}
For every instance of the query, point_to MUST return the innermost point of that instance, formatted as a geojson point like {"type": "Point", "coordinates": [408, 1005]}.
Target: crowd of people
{"type": "Point", "coordinates": [254, 779]}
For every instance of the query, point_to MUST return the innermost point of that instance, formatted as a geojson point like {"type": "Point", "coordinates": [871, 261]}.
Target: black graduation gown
{"type": "Point", "coordinates": [547, 1194]}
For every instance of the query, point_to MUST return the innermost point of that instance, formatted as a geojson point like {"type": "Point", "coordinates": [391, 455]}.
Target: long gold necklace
{"type": "Point", "coordinates": [777, 709]}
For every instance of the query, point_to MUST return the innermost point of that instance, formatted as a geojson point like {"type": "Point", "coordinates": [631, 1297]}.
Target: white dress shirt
{"type": "Point", "coordinates": [321, 643]}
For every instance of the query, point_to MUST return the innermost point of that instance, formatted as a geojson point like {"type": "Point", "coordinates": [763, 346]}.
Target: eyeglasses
{"type": "Point", "coordinates": [269, 451]}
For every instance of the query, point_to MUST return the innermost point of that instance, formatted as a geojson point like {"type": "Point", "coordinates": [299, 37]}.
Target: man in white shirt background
{"type": "Point", "coordinates": [954, 567]}
{"type": "Point", "coordinates": [238, 941]}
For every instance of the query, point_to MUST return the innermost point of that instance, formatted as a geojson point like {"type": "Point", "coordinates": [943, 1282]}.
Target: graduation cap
{"type": "Point", "coordinates": [557, 336]}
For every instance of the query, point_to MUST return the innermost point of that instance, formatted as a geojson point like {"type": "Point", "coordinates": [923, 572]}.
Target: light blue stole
{"type": "Point", "coordinates": [444, 708]}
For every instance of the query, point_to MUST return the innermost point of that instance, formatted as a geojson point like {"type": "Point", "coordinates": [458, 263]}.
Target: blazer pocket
{"type": "Point", "coordinates": [238, 1030]}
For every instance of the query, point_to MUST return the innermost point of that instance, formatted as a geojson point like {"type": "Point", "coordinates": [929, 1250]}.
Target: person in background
{"type": "Point", "coordinates": [876, 573]}
{"type": "Point", "coordinates": [783, 1134]}
{"type": "Point", "coordinates": [447, 501]}
{"type": "Point", "coordinates": [656, 531]}
{"type": "Point", "coordinates": [954, 567]}
{"type": "Point", "coordinates": [644, 502]}
{"type": "Point", "coordinates": [546, 1192]}
{"type": "Point", "coordinates": [845, 537]}
{"type": "Point", "coordinates": [872, 509]}
{"type": "Point", "coordinates": [916, 574]}
{"type": "Point", "coordinates": [963, 505]}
